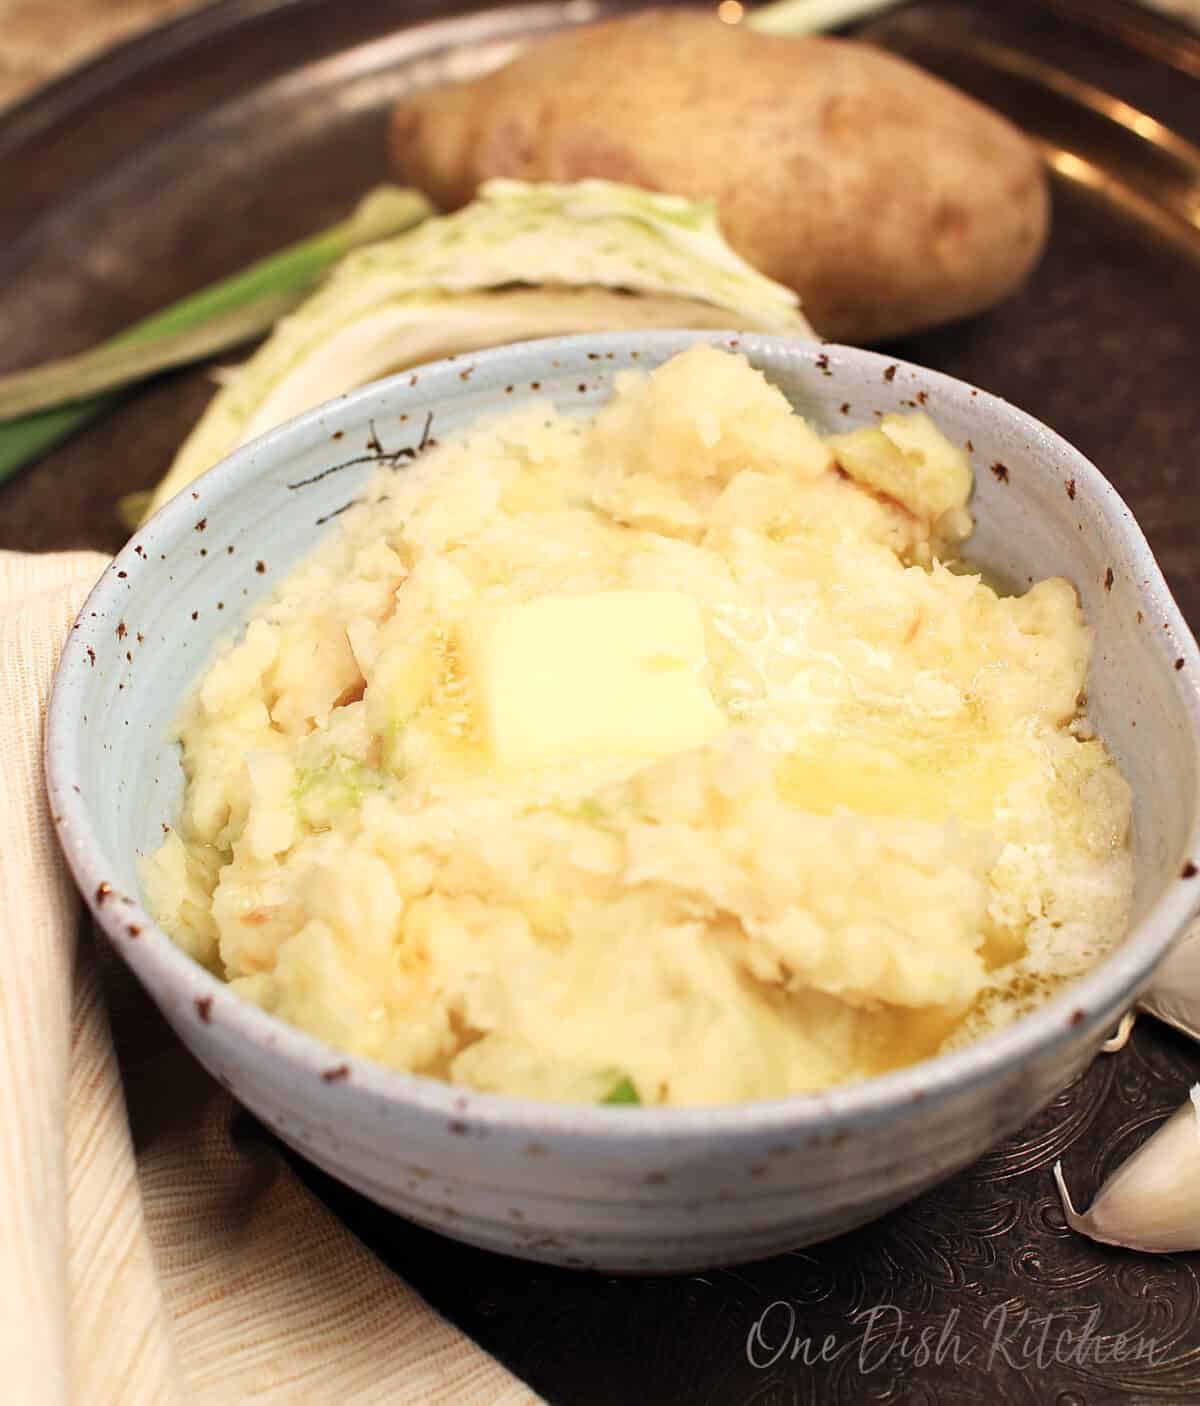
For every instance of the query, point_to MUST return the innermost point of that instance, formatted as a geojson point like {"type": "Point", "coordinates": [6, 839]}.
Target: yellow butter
{"type": "Point", "coordinates": [609, 673]}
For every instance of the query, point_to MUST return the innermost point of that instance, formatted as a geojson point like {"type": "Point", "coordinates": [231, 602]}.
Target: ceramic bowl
{"type": "Point", "coordinates": [618, 1189]}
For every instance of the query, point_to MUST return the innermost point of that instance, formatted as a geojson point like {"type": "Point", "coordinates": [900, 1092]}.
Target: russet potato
{"type": "Point", "coordinates": [889, 200]}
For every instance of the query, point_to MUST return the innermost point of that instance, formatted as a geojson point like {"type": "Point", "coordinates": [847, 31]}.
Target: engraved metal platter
{"type": "Point", "coordinates": [218, 138]}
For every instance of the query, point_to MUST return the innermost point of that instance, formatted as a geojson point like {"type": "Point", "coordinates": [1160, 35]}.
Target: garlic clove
{"type": "Point", "coordinates": [1152, 1201]}
{"type": "Point", "coordinates": [1174, 994]}
{"type": "Point", "coordinates": [1120, 1038]}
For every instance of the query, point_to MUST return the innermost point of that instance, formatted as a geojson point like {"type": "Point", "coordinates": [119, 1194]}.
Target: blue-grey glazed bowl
{"type": "Point", "coordinates": [619, 1189]}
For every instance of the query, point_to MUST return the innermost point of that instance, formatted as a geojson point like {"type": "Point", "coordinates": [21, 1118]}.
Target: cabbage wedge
{"type": "Point", "coordinates": [521, 261]}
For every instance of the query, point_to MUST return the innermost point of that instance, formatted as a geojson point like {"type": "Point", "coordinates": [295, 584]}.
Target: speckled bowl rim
{"type": "Point", "coordinates": [156, 959]}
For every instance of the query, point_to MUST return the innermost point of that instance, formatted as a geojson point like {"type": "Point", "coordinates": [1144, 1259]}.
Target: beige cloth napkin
{"type": "Point", "coordinates": [150, 1256]}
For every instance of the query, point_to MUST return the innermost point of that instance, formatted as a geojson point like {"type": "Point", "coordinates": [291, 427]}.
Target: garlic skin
{"type": "Point", "coordinates": [1174, 994]}
{"type": "Point", "coordinates": [1121, 1038]}
{"type": "Point", "coordinates": [1152, 1201]}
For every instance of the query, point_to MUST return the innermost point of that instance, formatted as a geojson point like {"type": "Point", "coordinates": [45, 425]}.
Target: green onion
{"type": "Point", "coordinates": [622, 1092]}
{"type": "Point", "coordinates": [121, 363]}
{"type": "Point", "coordinates": [811, 16]}
{"type": "Point", "coordinates": [53, 401]}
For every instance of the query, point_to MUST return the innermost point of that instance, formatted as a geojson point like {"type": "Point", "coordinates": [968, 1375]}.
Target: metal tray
{"type": "Point", "coordinates": [215, 139]}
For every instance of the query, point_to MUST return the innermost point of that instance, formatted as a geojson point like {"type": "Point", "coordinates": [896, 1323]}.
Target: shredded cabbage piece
{"type": "Point", "coordinates": [521, 261]}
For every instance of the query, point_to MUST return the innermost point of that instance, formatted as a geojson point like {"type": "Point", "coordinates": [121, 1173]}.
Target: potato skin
{"type": "Point", "coordinates": [887, 199]}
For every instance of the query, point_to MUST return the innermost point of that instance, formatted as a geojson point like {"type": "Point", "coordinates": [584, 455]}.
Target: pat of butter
{"type": "Point", "coordinates": [611, 673]}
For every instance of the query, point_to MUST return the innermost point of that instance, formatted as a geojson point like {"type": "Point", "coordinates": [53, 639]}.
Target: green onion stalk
{"type": "Point", "coordinates": [41, 407]}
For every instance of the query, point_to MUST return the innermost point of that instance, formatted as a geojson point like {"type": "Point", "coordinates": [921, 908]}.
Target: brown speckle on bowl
{"type": "Point", "coordinates": [1108, 579]}
{"type": "Point", "coordinates": [123, 575]}
{"type": "Point", "coordinates": [467, 374]}
{"type": "Point", "coordinates": [1000, 472]}
{"type": "Point", "coordinates": [970, 446]}
{"type": "Point", "coordinates": [338, 434]}
{"type": "Point", "coordinates": [260, 567]}
{"type": "Point", "coordinates": [922, 397]}
{"type": "Point", "coordinates": [845, 407]}
{"type": "Point", "coordinates": [195, 615]}
{"type": "Point", "coordinates": [459, 1129]}
{"type": "Point", "coordinates": [890, 374]}
{"type": "Point", "coordinates": [229, 550]}
{"type": "Point", "coordinates": [103, 891]}
{"type": "Point", "coordinates": [204, 1005]}
{"type": "Point", "coordinates": [1178, 665]}
{"type": "Point", "coordinates": [535, 1149]}
{"type": "Point", "coordinates": [535, 385]}
{"type": "Point", "coordinates": [582, 388]}
{"type": "Point", "coordinates": [1189, 871]}
{"type": "Point", "coordinates": [202, 524]}
{"type": "Point", "coordinates": [823, 365]}
{"type": "Point", "coordinates": [195, 495]}
{"type": "Point", "coordinates": [1071, 489]}
{"type": "Point", "coordinates": [91, 654]}
{"type": "Point", "coordinates": [141, 638]}
{"type": "Point", "coordinates": [337, 1075]}
{"type": "Point", "coordinates": [1077, 1018]}
{"type": "Point", "coordinates": [655, 1179]}
{"type": "Point", "coordinates": [122, 630]}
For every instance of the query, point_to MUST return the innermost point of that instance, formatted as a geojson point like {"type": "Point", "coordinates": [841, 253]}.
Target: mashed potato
{"type": "Point", "coordinates": [658, 750]}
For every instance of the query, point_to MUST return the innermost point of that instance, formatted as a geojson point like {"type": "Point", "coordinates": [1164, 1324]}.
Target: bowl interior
{"type": "Point", "coordinates": [188, 579]}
